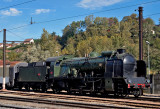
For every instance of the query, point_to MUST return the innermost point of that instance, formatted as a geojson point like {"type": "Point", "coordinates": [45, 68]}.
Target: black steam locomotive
{"type": "Point", "coordinates": [114, 72]}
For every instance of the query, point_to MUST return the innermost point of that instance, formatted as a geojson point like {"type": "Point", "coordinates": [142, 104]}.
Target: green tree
{"type": "Point", "coordinates": [44, 40]}
{"type": "Point", "coordinates": [14, 56]}
{"type": "Point", "coordinates": [70, 48]}
{"type": "Point", "coordinates": [147, 28]}
{"type": "Point", "coordinates": [94, 44]}
{"type": "Point", "coordinates": [49, 43]}
{"type": "Point", "coordinates": [1, 54]}
{"type": "Point", "coordinates": [156, 28]}
{"type": "Point", "coordinates": [35, 54]}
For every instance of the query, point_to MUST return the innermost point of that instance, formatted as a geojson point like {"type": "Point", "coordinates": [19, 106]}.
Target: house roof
{"type": "Point", "coordinates": [28, 40]}
{"type": "Point", "coordinates": [8, 51]}
{"type": "Point", "coordinates": [1, 62]}
{"type": "Point", "coordinates": [11, 63]}
{"type": "Point", "coordinates": [8, 44]}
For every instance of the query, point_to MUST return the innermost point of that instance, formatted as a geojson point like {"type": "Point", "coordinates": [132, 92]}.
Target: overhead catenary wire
{"type": "Point", "coordinates": [151, 14]}
{"type": "Point", "coordinates": [97, 12]}
{"type": "Point", "coordinates": [16, 34]}
{"type": "Point", "coordinates": [86, 14]}
{"type": "Point", "coordinates": [19, 27]}
{"type": "Point", "coordinates": [17, 4]}
{"type": "Point", "coordinates": [94, 28]}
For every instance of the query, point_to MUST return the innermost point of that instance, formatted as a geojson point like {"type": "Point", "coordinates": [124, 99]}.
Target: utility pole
{"type": "Point", "coordinates": [4, 57]}
{"type": "Point", "coordinates": [140, 33]}
{"type": "Point", "coordinates": [148, 43]}
{"type": "Point", "coordinates": [31, 21]}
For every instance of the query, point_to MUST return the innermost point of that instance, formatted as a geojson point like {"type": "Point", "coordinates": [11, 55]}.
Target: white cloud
{"type": "Point", "coordinates": [92, 4]}
{"type": "Point", "coordinates": [11, 12]}
{"type": "Point", "coordinates": [39, 11]}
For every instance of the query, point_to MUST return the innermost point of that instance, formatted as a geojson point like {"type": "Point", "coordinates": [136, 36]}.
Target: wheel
{"type": "Point", "coordinates": [124, 95]}
{"type": "Point", "coordinates": [19, 88]}
{"type": "Point", "coordinates": [56, 90]}
{"type": "Point", "coordinates": [27, 87]}
{"type": "Point", "coordinates": [34, 89]}
{"type": "Point", "coordinates": [116, 94]}
{"type": "Point", "coordinates": [80, 91]}
{"type": "Point", "coordinates": [8, 87]}
{"type": "Point", "coordinates": [138, 92]}
{"type": "Point", "coordinates": [104, 93]}
{"type": "Point", "coordinates": [93, 93]}
{"type": "Point", "coordinates": [68, 90]}
{"type": "Point", "coordinates": [43, 88]}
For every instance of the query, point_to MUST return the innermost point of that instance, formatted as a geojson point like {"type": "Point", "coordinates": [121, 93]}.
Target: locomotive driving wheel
{"type": "Point", "coordinates": [27, 87]}
{"type": "Point", "coordinates": [19, 88]}
{"type": "Point", "coordinates": [124, 95]}
{"type": "Point", "coordinates": [56, 90]}
{"type": "Point", "coordinates": [68, 88]}
{"type": "Point", "coordinates": [138, 92]}
{"type": "Point", "coordinates": [43, 88]}
{"type": "Point", "coordinates": [34, 88]}
{"type": "Point", "coordinates": [80, 91]}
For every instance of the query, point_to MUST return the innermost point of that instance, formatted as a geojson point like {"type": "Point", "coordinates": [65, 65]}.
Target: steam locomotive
{"type": "Point", "coordinates": [113, 72]}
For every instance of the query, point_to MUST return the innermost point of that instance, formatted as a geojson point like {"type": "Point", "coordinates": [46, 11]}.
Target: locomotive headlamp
{"type": "Point", "coordinates": [129, 81]}
{"type": "Point", "coordinates": [147, 81]}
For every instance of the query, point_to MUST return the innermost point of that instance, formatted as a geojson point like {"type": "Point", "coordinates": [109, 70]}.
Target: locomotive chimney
{"type": "Point", "coordinates": [120, 51]}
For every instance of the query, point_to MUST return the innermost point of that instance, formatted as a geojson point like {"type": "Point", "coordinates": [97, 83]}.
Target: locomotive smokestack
{"type": "Point", "coordinates": [120, 51]}
{"type": "Point", "coordinates": [140, 33]}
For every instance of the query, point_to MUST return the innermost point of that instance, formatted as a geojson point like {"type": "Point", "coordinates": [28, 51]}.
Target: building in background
{"type": "Point", "coordinates": [28, 41]}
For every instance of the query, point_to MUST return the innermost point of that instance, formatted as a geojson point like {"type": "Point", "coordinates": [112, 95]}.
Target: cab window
{"type": "Point", "coordinates": [58, 62]}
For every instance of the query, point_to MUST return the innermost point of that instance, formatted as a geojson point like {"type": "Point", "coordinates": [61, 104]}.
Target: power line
{"type": "Point", "coordinates": [151, 14]}
{"type": "Point", "coordinates": [86, 14]}
{"type": "Point", "coordinates": [98, 12]}
{"type": "Point", "coordinates": [57, 19]}
{"type": "Point", "coordinates": [15, 34]}
{"type": "Point", "coordinates": [17, 4]}
{"type": "Point", "coordinates": [19, 27]}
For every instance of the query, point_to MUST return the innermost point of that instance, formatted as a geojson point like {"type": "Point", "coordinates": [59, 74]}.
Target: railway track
{"type": "Point", "coordinates": [13, 107]}
{"type": "Point", "coordinates": [62, 103]}
{"type": "Point", "coordinates": [79, 101]}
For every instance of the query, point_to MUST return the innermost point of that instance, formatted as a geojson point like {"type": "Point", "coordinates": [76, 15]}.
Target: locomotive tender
{"type": "Point", "coordinates": [114, 72]}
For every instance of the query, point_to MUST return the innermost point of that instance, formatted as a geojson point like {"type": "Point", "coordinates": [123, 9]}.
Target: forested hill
{"type": "Point", "coordinates": [97, 34]}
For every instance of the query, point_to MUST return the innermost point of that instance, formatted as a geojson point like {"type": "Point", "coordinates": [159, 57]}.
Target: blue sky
{"type": "Point", "coordinates": [46, 10]}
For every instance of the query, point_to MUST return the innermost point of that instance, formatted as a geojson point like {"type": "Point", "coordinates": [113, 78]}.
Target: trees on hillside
{"type": "Point", "coordinates": [97, 34]}
{"type": "Point", "coordinates": [35, 54]}
{"type": "Point", "coordinates": [47, 46]}
{"type": "Point", "coordinates": [123, 34]}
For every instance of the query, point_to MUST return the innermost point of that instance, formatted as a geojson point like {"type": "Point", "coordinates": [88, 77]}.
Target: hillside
{"type": "Point", "coordinates": [94, 35]}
